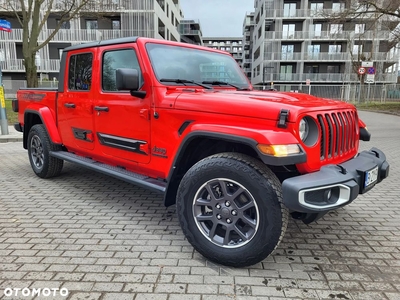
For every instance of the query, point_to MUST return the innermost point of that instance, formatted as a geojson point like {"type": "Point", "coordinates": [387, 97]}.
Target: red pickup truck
{"type": "Point", "coordinates": [184, 121]}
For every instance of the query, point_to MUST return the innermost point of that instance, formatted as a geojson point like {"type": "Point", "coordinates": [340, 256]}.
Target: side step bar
{"type": "Point", "coordinates": [134, 178]}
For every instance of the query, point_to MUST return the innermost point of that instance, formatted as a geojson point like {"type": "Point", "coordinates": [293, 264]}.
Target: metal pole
{"type": "Point", "coordinates": [369, 91]}
{"type": "Point", "coordinates": [3, 116]}
{"type": "Point", "coordinates": [263, 78]}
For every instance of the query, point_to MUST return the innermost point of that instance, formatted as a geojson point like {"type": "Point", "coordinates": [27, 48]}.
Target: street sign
{"type": "Point", "coordinates": [367, 64]}
{"type": "Point", "coordinates": [5, 26]}
{"type": "Point", "coordinates": [2, 102]}
{"type": "Point", "coordinates": [369, 78]}
{"type": "Point", "coordinates": [371, 71]}
{"type": "Point", "coordinates": [308, 81]}
{"type": "Point", "coordinates": [362, 70]}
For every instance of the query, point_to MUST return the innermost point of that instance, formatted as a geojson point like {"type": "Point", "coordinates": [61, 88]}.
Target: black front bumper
{"type": "Point", "coordinates": [335, 185]}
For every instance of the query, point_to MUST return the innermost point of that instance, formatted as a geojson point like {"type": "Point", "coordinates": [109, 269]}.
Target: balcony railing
{"type": "Point", "coordinates": [326, 35]}
{"type": "Point", "coordinates": [324, 56]}
{"type": "Point", "coordinates": [77, 35]}
{"type": "Point", "coordinates": [328, 77]}
{"type": "Point", "coordinates": [95, 6]}
{"type": "Point", "coordinates": [43, 65]}
{"type": "Point", "coordinates": [188, 31]}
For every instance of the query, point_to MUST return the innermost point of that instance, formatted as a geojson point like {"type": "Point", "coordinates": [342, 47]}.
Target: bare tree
{"type": "Point", "coordinates": [32, 15]}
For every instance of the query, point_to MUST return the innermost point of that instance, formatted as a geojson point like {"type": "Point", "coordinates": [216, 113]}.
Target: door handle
{"type": "Point", "coordinates": [101, 108]}
{"type": "Point", "coordinates": [69, 105]}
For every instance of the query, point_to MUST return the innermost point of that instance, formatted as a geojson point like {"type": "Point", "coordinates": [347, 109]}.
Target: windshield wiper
{"type": "Point", "coordinates": [216, 82]}
{"type": "Point", "coordinates": [184, 81]}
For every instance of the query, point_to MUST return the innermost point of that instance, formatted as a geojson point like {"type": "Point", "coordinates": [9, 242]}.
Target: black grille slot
{"type": "Point", "coordinates": [323, 136]}
{"type": "Point", "coordinates": [330, 135]}
{"type": "Point", "coordinates": [338, 133]}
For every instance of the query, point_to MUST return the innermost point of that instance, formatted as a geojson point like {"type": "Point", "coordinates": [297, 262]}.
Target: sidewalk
{"type": "Point", "coordinates": [12, 136]}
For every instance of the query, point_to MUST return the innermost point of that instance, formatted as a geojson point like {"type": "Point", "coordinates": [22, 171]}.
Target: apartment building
{"type": "Point", "coordinates": [190, 31]}
{"type": "Point", "coordinates": [233, 45]}
{"type": "Point", "coordinates": [101, 20]}
{"type": "Point", "coordinates": [294, 44]}
{"type": "Point", "coordinates": [248, 33]}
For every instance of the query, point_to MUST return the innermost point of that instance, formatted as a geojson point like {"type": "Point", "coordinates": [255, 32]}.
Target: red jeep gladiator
{"type": "Point", "coordinates": [183, 120]}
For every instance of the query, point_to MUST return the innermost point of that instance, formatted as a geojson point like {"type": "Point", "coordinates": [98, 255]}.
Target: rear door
{"type": "Point", "coordinates": [122, 121]}
{"type": "Point", "coordinates": [75, 104]}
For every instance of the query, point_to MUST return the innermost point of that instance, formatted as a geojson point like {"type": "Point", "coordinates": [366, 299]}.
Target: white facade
{"type": "Point", "coordinates": [108, 19]}
{"type": "Point", "coordinates": [293, 43]}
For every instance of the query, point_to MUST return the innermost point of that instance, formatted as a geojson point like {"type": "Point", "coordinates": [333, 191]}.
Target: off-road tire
{"type": "Point", "coordinates": [39, 147]}
{"type": "Point", "coordinates": [259, 182]}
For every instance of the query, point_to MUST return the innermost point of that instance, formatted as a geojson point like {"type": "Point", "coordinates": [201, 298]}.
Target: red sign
{"type": "Point", "coordinates": [362, 71]}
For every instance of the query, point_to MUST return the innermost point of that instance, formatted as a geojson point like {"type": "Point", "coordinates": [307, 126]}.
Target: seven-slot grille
{"type": "Point", "coordinates": [338, 133]}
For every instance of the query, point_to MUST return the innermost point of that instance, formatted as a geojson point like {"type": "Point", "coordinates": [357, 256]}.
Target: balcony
{"type": "Point", "coordinates": [17, 65]}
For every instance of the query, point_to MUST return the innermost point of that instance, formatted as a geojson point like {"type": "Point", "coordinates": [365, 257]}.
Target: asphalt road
{"type": "Point", "coordinates": [102, 238]}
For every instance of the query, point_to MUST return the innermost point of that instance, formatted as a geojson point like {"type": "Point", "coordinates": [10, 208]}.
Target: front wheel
{"type": "Point", "coordinates": [39, 147]}
{"type": "Point", "coordinates": [230, 209]}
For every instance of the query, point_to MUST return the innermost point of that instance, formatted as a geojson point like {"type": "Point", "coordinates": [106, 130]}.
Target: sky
{"type": "Point", "coordinates": [222, 18]}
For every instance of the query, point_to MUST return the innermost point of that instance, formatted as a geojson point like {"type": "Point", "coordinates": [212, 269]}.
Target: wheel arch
{"type": "Point", "coordinates": [198, 145]}
{"type": "Point", "coordinates": [41, 116]}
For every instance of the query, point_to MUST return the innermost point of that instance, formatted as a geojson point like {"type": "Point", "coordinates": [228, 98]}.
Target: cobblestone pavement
{"type": "Point", "coordinates": [104, 239]}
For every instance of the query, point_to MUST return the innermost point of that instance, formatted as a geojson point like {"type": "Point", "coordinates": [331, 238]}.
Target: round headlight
{"type": "Point", "coordinates": [304, 129]}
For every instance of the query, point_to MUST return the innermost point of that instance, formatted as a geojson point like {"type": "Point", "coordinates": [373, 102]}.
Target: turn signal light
{"type": "Point", "coordinates": [279, 150]}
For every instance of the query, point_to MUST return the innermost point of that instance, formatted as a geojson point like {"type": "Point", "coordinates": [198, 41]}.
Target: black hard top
{"type": "Point", "coordinates": [102, 43]}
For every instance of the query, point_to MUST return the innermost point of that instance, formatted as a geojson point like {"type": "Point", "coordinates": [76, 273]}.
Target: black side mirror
{"type": "Point", "coordinates": [127, 79]}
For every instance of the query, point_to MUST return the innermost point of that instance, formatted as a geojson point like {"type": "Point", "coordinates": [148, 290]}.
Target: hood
{"type": "Point", "coordinates": [255, 104]}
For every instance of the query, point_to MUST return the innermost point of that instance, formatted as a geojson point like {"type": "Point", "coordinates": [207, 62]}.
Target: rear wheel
{"type": "Point", "coordinates": [230, 209]}
{"type": "Point", "coordinates": [39, 147]}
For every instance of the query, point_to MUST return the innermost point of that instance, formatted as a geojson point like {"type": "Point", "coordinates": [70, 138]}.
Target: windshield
{"type": "Point", "coordinates": [174, 62]}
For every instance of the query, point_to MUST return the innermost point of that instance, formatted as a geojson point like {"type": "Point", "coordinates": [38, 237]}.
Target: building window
{"type": "Point", "coordinates": [313, 51]}
{"type": "Point", "coordinates": [91, 24]}
{"type": "Point", "coordinates": [357, 49]}
{"type": "Point", "coordinates": [360, 28]}
{"type": "Point", "coordinates": [64, 25]}
{"type": "Point", "coordinates": [335, 48]}
{"type": "Point", "coordinates": [336, 28]}
{"type": "Point", "coordinates": [287, 52]}
{"type": "Point", "coordinates": [288, 31]}
{"type": "Point", "coordinates": [316, 8]}
{"type": "Point", "coordinates": [116, 24]}
{"type": "Point", "coordinates": [114, 60]}
{"type": "Point", "coordinates": [316, 29]}
{"type": "Point", "coordinates": [333, 69]}
{"type": "Point", "coordinates": [338, 7]}
{"type": "Point", "coordinates": [289, 10]}
{"type": "Point", "coordinates": [80, 72]}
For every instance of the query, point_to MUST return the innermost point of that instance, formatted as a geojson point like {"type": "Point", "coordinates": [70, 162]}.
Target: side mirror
{"type": "Point", "coordinates": [127, 79]}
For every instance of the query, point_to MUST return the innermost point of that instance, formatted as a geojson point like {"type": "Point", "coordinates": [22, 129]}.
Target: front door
{"type": "Point", "coordinates": [75, 104]}
{"type": "Point", "coordinates": [122, 121]}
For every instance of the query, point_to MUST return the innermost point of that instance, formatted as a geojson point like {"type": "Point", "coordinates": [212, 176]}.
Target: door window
{"type": "Point", "coordinates": [80, 72]}
{"type": "Point", "coordinates": [116, 59]}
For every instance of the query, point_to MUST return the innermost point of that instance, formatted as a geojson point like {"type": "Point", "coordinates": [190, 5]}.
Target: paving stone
{"type": "Point", "coordinates": [106, 239]}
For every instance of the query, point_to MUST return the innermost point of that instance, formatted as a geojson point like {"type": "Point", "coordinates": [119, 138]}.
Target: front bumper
{"type": "Point", "coordinates": [335, 185]}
